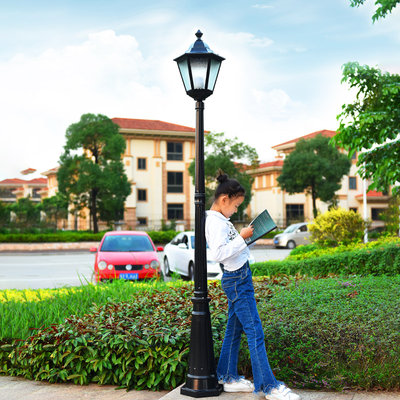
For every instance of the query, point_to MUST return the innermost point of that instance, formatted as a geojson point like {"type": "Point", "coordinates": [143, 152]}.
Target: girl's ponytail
{"type": "Point", "coordinates": [227, 186]}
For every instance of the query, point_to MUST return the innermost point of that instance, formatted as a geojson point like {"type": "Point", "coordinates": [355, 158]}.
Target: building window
{"type": "Point", "coordinates": [294, 213]}
{"type": "Point", "coordinates": [352, 182]}
{"type": "Point", "coordinates": [142, 221]}
{"type": "Point", "coordinates": [353, 209]}
{"type": "Point", "coordinates": [375, 214]}
{"type": "Point", "coordinates": [142, 194]}
{"type": "Point", "coordinates": [175, 182]}
{"type": "Point", "coordinates": [175, 151]}
{"type": "Point", "coordinates": [142, 163]}
{"type": "Point", "coordinates": [175, 211]}
{"type": "Point", "coordinates": [35, 193]}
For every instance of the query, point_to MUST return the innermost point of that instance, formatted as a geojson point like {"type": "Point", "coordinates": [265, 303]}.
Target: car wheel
{"type": "Point", "coordinates": [291, 244]}
{"type": "Point", "coordinates": [191, 271]}
{"type": "Point", "coordinates": [167, 269]}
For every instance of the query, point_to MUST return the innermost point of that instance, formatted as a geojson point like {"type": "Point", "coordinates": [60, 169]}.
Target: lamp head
{"type": "Point", "coordinates": [199, 68]}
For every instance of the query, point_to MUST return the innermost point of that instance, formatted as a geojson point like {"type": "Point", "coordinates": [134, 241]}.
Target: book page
{"type": "Point", "coordinates": [262, 224]}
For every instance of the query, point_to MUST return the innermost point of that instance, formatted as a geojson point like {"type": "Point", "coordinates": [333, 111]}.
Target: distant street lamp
{"type": "Point", "coordinates": [199, 68]}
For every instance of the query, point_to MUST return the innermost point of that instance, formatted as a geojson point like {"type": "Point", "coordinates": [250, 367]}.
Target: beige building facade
{"type": "Point", "coordinates": [157, 159]}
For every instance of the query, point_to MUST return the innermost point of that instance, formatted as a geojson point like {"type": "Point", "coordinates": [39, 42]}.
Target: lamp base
{"type": "Point", "coordinates": [197, 388]}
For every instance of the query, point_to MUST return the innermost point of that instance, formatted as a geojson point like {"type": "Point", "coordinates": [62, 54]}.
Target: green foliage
{"type": "Point", "coordinates": [391, 216]}
{"type": "Point", "coordinates": [336, 226]}
{"type": "Point", "coordinates": [61, 236]}
{"type": "Point", "coordinates": [384, 7]}
{"type": "Point", "coordinates": [335, 333]}
{"type": "Point", "coordinates": [55, 207]}
{"type": "Point", "coordinates": [26, 211]}
{"type": "Point", "coordinates": [373, 119]}
{"type": "Point", "coordinates": [74, 236]}
{"type": "Point", "coordinates": [319, 333]}
{"type": "Point", "coordinates": [91, 172]}
{"type": "Point", "coordinates": [4, 214]}
{"type": "Point", "coordinates": [228, 155]}
{"type": "Point", "coordinates": [382, 260]}
{"type": "Point", "coordinates": [316, 167]}
{"type": "Point", "coordinates": [314, 250]}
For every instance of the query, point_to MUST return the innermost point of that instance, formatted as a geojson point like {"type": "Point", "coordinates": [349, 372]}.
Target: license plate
{"type": "Point", "coordinates": [129, 277]}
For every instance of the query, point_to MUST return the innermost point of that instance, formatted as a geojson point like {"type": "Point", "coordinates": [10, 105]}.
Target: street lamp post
{"type": "Point", "coordinates": [199, 68]}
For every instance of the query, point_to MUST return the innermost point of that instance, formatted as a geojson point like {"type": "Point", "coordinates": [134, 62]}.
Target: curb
{"type": "Point", "coordinates": [75, 246]}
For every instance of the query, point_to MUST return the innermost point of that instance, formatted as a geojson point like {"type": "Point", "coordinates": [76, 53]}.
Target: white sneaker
{"type": "Point", "coordinates": [242, 385]}
{"type": "Point", "coordinates": [282, 393]}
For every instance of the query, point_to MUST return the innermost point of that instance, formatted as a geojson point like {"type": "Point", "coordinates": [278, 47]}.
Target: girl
{"type": "Point", "coordinates": [228, 247]}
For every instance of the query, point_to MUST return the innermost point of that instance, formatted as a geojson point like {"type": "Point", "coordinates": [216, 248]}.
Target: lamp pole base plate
{"type": "Point", "coordinates": [204, 392]}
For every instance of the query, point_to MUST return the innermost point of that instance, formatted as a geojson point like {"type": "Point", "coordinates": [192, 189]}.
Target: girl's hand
{"type": "Point", "coordinates": [247, 232]}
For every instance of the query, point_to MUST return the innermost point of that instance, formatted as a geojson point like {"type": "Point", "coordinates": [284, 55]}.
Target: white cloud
{"type": "Point", "coordinates": [247, 38]}
{"type": "Point", "coordinates": [262, 6]}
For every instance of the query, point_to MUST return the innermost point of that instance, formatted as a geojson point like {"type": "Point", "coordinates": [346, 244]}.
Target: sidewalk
{"type": "Point", "coordinates": [13, 388]}
{"type": "Point", "coordinates": [305, 395]}
{"type": "Point", "coordinates": [77, 246]}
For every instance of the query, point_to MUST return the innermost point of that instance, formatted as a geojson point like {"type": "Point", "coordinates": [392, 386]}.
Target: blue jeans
{"type": "Point", "coordinates": [243, 317]}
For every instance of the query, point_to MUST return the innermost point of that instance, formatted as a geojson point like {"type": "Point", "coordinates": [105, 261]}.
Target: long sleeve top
{"type": "Point", "coordinates": [225, 244]}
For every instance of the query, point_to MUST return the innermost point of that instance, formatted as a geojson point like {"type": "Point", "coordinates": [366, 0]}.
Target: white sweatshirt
{"type": "Point", "coordinates": [225, 244]}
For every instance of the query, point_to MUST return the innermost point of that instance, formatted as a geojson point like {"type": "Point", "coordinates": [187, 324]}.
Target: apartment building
{"type": "Point", "coordinates": [157, 158]}
{"type": "Point", "coordinates": [15, 188]}
{"type": "Point", "coordinates": [286, 208]}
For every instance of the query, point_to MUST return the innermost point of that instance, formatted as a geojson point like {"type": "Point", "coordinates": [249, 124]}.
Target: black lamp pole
{"type": "Point", "coordinates": [199, 68]}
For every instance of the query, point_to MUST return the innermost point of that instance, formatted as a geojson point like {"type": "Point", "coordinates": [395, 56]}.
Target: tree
{"type": "Point", "coordinates": [316, 167]}
{"type": "Point", "coordinates": [55, 207]}
{"type": "Point", "coordinates": [230, 155]}
{"type": "Point", "coordinates": [371, 125]}
{"type": "Point", "coordinates": [27, 212]}
{"type": "Point", "coordinates": [385, 7]}
{"type": "Point", "coordinates": [91, 172]}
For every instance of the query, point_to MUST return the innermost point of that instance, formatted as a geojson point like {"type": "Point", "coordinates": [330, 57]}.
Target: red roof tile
{"type": "Point", "coordinates": [17, 181]}
{"type": "Point", "coordinates": [28, 171]}
{"type": "Point", "coordinates": [151, 125]}
{"type": "Point", "coordinates": [372, 193]}
{"type": "Point", "coordinates": [276, 163]}
{"type": "Point", "coordinates": [324, 132]}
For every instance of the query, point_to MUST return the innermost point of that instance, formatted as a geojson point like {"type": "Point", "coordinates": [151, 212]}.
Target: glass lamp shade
{"type": "Point", "coordinates": [199, 68]}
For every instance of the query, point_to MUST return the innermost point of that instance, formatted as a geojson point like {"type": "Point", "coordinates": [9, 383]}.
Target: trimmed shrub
{"type": "Point", "coordinates": [337, 226]}
{"type": "Point", "coordinates": [330, 333]}
{"type": "Point", "coordinates": [382, 260]}
{"type": "Point", "coordinates": [313, 250]}
{"type": "Point", "coordinates": [73, 236]}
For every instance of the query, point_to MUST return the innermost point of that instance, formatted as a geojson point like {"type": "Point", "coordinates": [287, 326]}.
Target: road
{"type": "Point", "coordinates": [51, 270]}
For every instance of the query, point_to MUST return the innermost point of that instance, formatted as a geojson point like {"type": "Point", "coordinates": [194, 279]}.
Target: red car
{"type": "Point", "coordinates": [126, 255]}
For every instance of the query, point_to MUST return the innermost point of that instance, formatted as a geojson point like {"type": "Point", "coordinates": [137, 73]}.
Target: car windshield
{"type": "Point", "coordinates": [291, 228]}
{"type": "Point", "coordinates": [126, 243]}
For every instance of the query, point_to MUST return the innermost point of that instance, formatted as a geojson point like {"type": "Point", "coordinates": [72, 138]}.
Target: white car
{"type": "Point", "coordinates": [179, 258]}
{"type": "Point", "coordinates": [292, 236]}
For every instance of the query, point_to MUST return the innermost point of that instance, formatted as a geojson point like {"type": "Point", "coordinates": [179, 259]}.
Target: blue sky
{"type": "Point", "coordinates": [281, 78]}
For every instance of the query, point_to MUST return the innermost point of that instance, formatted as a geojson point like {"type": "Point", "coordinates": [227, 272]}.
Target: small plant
{"type": "Point", "coordinates": [337, 226]}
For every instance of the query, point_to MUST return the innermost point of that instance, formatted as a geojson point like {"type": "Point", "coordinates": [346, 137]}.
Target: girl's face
{"type": "Point", "coordinates": [228, 206]}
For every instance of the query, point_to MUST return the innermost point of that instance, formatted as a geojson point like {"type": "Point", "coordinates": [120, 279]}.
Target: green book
{"type": "Point", "coordinates": [262, 224]}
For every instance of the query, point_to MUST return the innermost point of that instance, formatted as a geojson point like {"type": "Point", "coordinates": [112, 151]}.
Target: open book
{"type": "Point", "coordinates": [262, 224]}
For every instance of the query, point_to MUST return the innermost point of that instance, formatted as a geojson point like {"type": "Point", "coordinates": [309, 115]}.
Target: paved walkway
{"type": "Point", "coordinates": [77, 246]}
{"type": "Point", "coordinates": [12, 388]}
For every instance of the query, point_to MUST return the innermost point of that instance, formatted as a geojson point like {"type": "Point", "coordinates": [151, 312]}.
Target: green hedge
{"type": "Point", "coordinates": [314, 250]}
{"type": "Point", "coordinates": [66, 236]}
{"type": "Point", "coordinates": [326, 333]}
{"type": "Point", "coordinates": [376, 261]}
